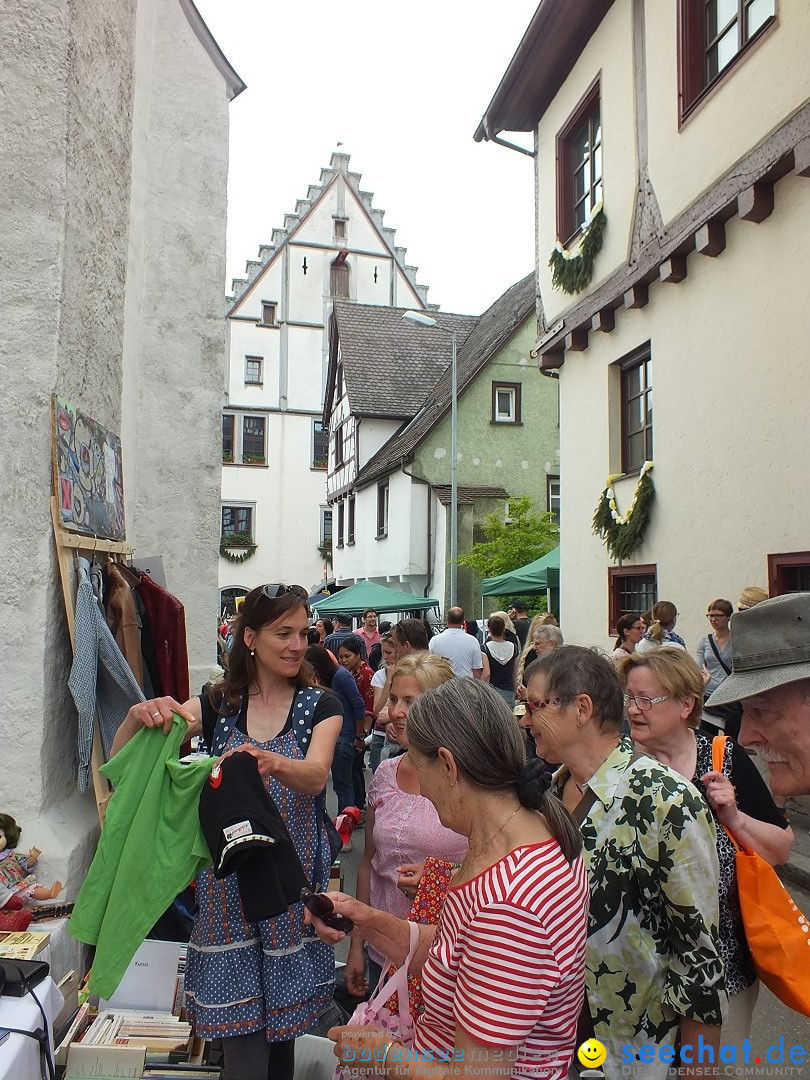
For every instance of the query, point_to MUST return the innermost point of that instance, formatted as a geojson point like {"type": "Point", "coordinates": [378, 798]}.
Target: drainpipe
{"type": "Point", "coordinates": [490, 137]}
{"type": "Point", "coordinates": [429, 487]}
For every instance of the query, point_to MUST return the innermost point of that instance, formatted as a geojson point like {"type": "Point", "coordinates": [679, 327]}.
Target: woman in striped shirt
{"type": "Point", "coordinates": [503, 972]}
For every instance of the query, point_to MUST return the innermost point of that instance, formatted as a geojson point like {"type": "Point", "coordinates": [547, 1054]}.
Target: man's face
{"type": "Point", "coordinates": [777, 725]}
{"type": "Point", "coordinates": [371, 621]}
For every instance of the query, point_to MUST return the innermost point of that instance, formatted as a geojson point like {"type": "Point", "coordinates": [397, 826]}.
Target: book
{"type": "Point", "coordinates": [52, 910]}
{"type": "Point", "coordinates": [23, 944]}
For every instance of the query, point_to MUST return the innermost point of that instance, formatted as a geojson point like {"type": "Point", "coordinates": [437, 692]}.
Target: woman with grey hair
{"type": "Point", "coordinates": [543, 638]}
{"type": "Point", "coordinates": [502, 973]}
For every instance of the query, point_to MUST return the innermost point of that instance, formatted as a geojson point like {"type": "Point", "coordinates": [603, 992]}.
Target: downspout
{"type": "Point", "coordinates": [419, 480]}
{"type": "Point", "coordinates": [490, 137]}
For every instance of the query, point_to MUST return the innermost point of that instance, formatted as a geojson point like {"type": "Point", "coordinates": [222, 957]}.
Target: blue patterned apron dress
{"type": "Point", "coordinates": [272, 975]}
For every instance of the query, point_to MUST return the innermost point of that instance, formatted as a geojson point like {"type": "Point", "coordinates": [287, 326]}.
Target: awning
{"type": "Point", "coordinates": [535, 577]}
{"type": "Point", "coordinates": [367, 594]}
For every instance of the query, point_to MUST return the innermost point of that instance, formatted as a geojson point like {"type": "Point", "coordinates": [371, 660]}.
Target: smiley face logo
{"type": "Point", "coordinates": [592, 1054]}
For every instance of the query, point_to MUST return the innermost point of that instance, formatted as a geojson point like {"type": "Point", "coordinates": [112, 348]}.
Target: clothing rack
{"type": "Point", "coordinates": [68, 546]}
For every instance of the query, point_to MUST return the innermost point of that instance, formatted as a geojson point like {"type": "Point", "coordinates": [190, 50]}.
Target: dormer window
{"type": "Point", "coordinates": [268, 314]}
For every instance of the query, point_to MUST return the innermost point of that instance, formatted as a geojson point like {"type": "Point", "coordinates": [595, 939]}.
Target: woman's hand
{"type": "Point", "coordinates": [722, 797]}
{"type": "Point", "coordinates": [361, 1048]}
{"type": "Point", "coordinates": [410, 874]}
{"type": "Point", "coordinates": [707, 676]}
{"type": "Point", "coordinates": [267, 761]}
{"type": "Point", "coordinates": [344, 905]}
{"type": "Point", "coordinates": [521, 692]}
{"type": "Point", "coordinates": [157, 712]}
{"type": "Point", "coordinates": [354, 973]}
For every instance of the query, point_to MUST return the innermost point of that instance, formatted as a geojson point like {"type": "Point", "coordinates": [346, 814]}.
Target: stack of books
{"type": "Point", "coordinates": [181, 1072]}
{"type": "Point", "coordinates": [157, 1033]}
{"type": "Point", "coordinates": [52, 909]}
{"type": "Point", "coordinates": [23, 944]}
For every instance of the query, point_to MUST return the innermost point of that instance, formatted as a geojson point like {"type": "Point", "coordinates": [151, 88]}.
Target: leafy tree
{"type": "Point", "coordinates": [527, 537]}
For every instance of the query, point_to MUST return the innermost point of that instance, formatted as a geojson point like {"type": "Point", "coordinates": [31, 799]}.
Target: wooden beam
{"type": "Point", "coordinates": [637, 296]}
{"type": "Point", "coordinates": [801, 157]}
{"type": "Point", "coordinates": [577, 340]}
{"type": "Point", "coordinates": [756, 202]}
{"type": "Point", "coordinates": [604, 320]}
{"type": "Point", "coordinates": [552, 361]}
{"type": "Point", "coordinates": [710, 239]}
{"type": "Point", "coordinates": [673, 269]}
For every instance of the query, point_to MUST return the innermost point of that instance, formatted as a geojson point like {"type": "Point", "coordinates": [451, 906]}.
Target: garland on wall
{"type": "Point", "coordinates": [624, 533]}
{"type": "Point", "coordinates": [237, 547]}
{"type": "Point", "coordinates": [572, 270]}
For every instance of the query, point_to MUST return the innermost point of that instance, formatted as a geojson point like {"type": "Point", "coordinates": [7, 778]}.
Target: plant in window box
{"type": "Point", "coordinates": [624, 533]}
{"type": "Point", "coordinates": [325, 551]}
{"type": "Point", "coordinates": [253, 459]}
{"type": "Point", "coordinates": [572, 270]}
{"type": "Point", "coordinates": [227, 457]}
{"type": "Point", "coordinates": [319, 463]}
{"type": "Point", "coordinates": [237, 547]}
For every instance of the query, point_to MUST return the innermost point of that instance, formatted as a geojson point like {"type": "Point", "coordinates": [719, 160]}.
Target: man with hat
{"type": "Point", "coordinates": [770, 676]}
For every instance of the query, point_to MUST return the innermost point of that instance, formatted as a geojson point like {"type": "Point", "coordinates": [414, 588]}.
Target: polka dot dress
{"type": "Point", "coordinates": [274, 975]}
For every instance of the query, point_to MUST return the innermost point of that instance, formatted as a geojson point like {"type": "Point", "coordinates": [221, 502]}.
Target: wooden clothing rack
{"type": "Point", "coordinates": [68, 546]}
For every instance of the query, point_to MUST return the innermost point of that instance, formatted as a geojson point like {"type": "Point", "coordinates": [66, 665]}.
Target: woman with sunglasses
{"type": "Point", "coordinates": [654, 970]}
{"type": "Point", "coordinates": [664, 700]}
{"type": "Point", "coordinates": [257, 986]}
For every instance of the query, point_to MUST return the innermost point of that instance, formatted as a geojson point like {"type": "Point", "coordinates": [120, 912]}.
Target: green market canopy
{"type": "Point", "coordinates": [366, 594]}
{"type": "Point", "coordinates": [537, 576]}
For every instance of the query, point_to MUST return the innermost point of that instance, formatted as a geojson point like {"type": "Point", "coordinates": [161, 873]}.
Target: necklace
{"type": "Point", "coordinates": [500, 829]}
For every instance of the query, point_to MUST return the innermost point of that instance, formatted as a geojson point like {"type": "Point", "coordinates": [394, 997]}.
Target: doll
{"type": "Point", "coordinates": [16, 879]}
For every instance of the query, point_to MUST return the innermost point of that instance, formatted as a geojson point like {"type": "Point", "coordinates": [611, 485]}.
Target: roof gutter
{"type": "Point", "coordinates": [505, 142]}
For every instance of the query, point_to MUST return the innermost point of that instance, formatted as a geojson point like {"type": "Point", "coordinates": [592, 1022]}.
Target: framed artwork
{"type": "Point", "coordinates": [87, 473]}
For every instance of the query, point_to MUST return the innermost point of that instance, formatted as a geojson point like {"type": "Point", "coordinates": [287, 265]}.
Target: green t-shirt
{"type": "Point", "coordinates": [151, 847]}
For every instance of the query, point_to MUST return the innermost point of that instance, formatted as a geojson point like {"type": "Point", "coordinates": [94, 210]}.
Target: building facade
{"type": "Point", "coordinates": [114, 254]}
{"type": "Point", "coordinates": [274, 445]}
{"type": "Point", "coordinates": [390, 497]}
{"type": "Point", "coordinates": [687, 345]}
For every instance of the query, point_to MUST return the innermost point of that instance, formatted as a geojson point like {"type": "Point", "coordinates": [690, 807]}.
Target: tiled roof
{"type": "Point", "coordinates": [390, 365]}
{"type": "Point", "coordinates": [468, 493]}
{"type": "Point", "coordinates": [492, 330]}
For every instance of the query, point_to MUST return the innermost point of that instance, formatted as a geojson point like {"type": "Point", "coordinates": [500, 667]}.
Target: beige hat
{"type": "Point", "coordinates": [750, 596]}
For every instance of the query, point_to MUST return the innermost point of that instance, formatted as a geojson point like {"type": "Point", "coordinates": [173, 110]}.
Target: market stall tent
{"type": "Point", "coordinates": [538, 576]}
{"type": "Point", "coordinates": [367, 594]}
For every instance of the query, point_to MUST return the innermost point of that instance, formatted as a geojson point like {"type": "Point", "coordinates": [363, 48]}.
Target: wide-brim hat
{"type": "Point", "coordinates": [770, 647]}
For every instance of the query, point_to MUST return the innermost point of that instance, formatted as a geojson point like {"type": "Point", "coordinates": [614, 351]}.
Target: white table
{"type": "Point", "coordinates": [19, 1055]}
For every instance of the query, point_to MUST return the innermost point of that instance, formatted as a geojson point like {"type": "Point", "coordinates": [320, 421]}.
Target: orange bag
{"type": "Point", "coordinates": [778, 933]}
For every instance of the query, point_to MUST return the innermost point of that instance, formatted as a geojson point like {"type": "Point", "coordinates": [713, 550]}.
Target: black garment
{"type": "Point", "coordinates": [530, 658]}
{"type": "Point", "coordinates": [501, 676]}
{"type": "Point", "coordinates": [327, 705]}
{"type": "Point", "coordinates": [252, 1057]}
{"type": "Point", "coordinates": [332, 641]}
{"type": "Point", "coordinates": [375, 656]}
{"type": "Point", "coordinates": [510, 636]}
{"type": "Point", "coordinates": [522, 629]}
{"type": "Point", "coordinates": [245, 833]}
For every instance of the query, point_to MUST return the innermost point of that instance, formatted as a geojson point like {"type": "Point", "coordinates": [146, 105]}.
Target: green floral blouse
{"type": "Point", "coordinates": [653, 953]}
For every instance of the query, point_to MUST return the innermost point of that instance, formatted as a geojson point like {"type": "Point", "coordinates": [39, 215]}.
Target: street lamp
{"type": "Point", "coordinates": [420, 319]}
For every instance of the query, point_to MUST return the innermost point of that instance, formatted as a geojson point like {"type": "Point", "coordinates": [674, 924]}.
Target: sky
{"type": "Point", "coordinates": [402, 87]}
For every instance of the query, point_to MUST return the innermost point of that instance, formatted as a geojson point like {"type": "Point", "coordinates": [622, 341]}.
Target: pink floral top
{"type": "Point", "coordinates": [406, 830]}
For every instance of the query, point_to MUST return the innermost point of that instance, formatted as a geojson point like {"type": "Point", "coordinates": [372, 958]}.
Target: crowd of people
{"type": "Point", "coordinates": [548, 815]}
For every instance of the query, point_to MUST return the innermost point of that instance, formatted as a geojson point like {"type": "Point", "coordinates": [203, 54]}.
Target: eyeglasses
{"type": "Point", "coordinates": [272, 592]}
{"type": "Point", "coordinates": [643, 704]}
{"type": "Point", "coordinates": [534, 706]}
{"type": "Point", "coordinates": [716, 615]}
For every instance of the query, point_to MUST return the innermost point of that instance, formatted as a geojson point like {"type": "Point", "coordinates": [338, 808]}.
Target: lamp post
{"type": "Point", "coordinates": [420, 319]}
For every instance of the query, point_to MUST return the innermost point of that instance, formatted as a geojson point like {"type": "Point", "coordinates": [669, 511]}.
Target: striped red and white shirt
{"type": "Point", "coordinates": [508, 963]}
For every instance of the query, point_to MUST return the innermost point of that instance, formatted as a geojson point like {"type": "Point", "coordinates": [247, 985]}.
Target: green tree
{"type": "Point", "coordinates": [524, 537]}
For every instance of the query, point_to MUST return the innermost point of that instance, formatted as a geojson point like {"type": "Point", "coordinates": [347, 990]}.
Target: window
{"type": "Point", "coordinates": [227, 437]}
{"type": "Point", "coordinates": [326, 525]}
{"type": "Point", "coordinates": [253, 370]}
{"type": "Point", "coordinates": [637, 410]}
{"type": "Point", "coordinates": [350, 521]}
{"type": "Point", "coordinates": [713, 34]}
{"type": "Point", "coordinates": [237, 519]}
{"type": "Point", "coordinates": [339, 277]}
{"type": "Point", "coordinates": [632, 589]}
{"type": "Point", "coordinates": [340, 228]}
{"type": "Point", "coordinates": [253, 440]}
{"type": "Point", "coordinates": [789, 572]}
{"type": "Point", "coordinates": [579, 166]}
{"type": "Point", "coordinates": [341, 521]}
{"type": "Point", "coordinates": [268, 313]}
{"type": "Point", "coordinates": [338, 446]}
{"type": "Point", "coordinates": [320, 445]}
{"type": "Point", "coordinates": [382, 509]}
{"type": "Point", "coordinates": [553, 497]}
{"type": "Point", "coordinates": [506, 403]}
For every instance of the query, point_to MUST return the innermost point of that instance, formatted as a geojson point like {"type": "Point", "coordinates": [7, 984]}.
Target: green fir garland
{"type": "Point", "coordinates": [572, 271]}
{"type": "Point", "coordinates": [624, 535]}
{"type": "Point", "coordinates": [237, 547]}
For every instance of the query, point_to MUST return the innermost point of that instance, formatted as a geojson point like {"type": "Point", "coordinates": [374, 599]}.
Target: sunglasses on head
{"type": "Point", "coordinates": [272, 592]}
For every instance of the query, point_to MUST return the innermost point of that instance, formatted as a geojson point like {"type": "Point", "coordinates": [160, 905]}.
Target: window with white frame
{"type": "Point", "coordinates": [326, 525]}
{"type": "Point", "coordinates": [254, 370]}
{"type": "Point", "coordinates": [382, 509]}
{"type": "Point", "coordinates": [553, 497]}
{"type": "Point", "coordinates": [505, 403]}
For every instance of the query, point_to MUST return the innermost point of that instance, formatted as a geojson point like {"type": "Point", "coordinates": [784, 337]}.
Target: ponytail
{"type": "Point", "coordinates": [533, 791]}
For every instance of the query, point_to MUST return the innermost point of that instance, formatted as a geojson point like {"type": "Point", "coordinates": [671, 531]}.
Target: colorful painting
{"type": "Point", "coordinates": [88, 474]}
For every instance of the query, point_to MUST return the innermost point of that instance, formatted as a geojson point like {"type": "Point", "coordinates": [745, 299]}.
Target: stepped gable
{"type": "Point", "coordinates": [492, 330]}
{"type": "Point", "coordinates": [389, 365]}
{"type": "Point", "coordinates": [339, 164]}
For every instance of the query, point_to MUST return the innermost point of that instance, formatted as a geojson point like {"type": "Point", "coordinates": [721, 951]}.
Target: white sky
{"type": "Point", "coordinates": [403, 87]}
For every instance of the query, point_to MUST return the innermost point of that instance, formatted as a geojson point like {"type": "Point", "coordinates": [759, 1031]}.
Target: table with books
{"type": "Point", "coordinates": [19, 1054]}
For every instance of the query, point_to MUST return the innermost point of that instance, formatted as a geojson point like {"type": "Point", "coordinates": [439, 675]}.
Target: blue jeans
{"type": "Point", "coordinates": [377, 745]}
{"type": "Point", "coordinates": [347, 775]}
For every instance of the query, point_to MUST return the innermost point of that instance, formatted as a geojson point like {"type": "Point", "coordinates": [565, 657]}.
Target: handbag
{"type": "Point", "coordinates": [776, 930]}
{"type": "Point", "coordinates": [374, 1013]}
